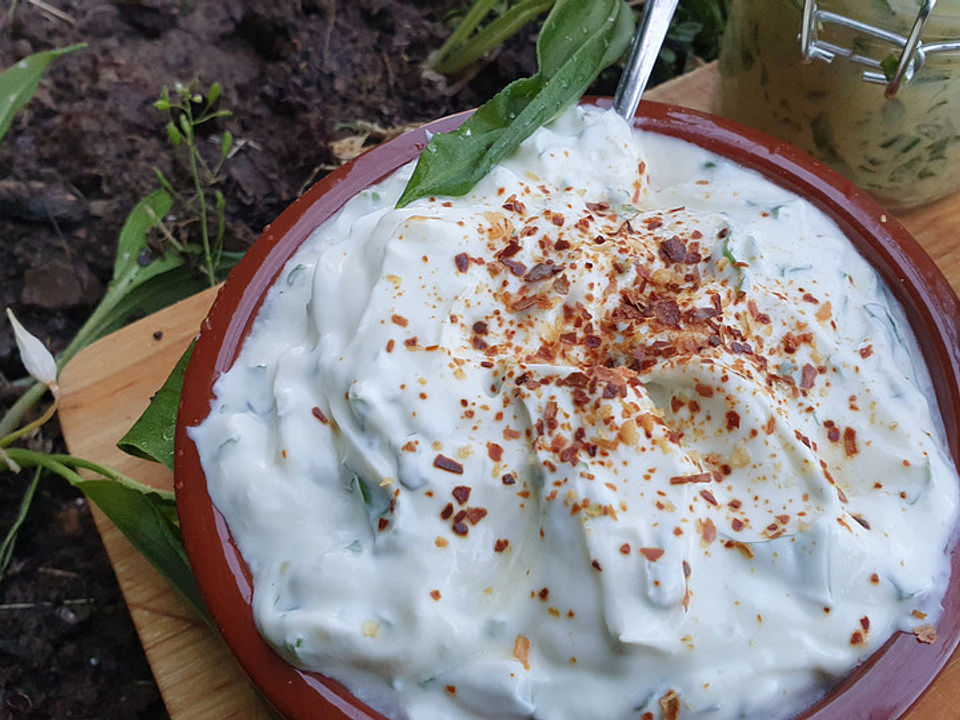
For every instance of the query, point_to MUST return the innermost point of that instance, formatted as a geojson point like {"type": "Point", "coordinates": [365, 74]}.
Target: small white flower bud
{"type": "Point", "coordinates": [36, 358]}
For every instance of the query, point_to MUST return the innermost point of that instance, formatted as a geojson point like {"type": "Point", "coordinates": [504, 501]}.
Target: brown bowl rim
{"type": "Point", "coordinates": [883, 686]}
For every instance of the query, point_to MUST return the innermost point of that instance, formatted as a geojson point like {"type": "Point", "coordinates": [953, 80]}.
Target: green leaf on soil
{"type": "Point", "coordinates": [6, 548]}
{"type": "Point", "coordinates": [19, 82]}
{"type": "Point", "coordinates": [151, 437]}
{"type": "Point", "coordinates": [577, 41]}
{"type": "Point", "coordinates": [145, 515]}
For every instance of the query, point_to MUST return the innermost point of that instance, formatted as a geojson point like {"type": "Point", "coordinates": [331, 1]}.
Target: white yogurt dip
{"type": "Point", "coordinates": [626, 432]}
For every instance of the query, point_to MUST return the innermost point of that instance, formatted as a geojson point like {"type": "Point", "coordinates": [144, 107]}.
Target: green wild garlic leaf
{"type": "Point", "coordinates": [151, 437]}
{"type": "Point", "coordinates": [19, 82]}
{"type": "Point", "coordinates": [577, 41]}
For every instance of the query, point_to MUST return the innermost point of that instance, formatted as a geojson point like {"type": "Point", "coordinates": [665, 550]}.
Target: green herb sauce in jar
{"type": "Point", "coordinates": [904, 150]}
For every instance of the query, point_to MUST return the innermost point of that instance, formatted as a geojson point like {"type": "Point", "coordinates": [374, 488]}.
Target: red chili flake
{"type": "Point", "coordinates": [460, 528]}
{"type": "Point", "coordinates": [704, 390]}
{"type": "Point", "coordinates": [857, 638]}
{"type": "Point", "coordinates": [580, 397]}
{"type": "Point", "coordinates": [447, 511]}
{"type": "Point", "coordinates": [651, 554]}
{"type": "Point", "coordinates": [875, 579]}
{"type": "Point", "coordinates": [461, 493]}
{"type": "Point", "coordinates": [476, 514]}
{"type": "Point", "coordinates": [514, 205]}
{"type": "Point", "coordinates": [833, 434]}
{"type": "Point", "coordinates": [673, 250]}
{"type": "Point", "coordinates": [399, 320]}
{"type": "Point", "coordinates": [460, 516]}
{"type": "Point", "coordinates": [597, 207]}
{"type": "Point", "coordinates": [686, 568]}
{"type": "Point", "coordinates": [653, 223]}
{"type": "Point", "coordinates": [390, 345]}
{"type": "Point", "coordinates": [544, 593]}
{"type": "Point", "coordinates": [508, 479]}
{"type": "Point", "coordinates": [926, 634]}
{"type": "Point", "coordinates": [733, 420]}
{"type": "Point", "coordinates": [318, 414]}
{"type": "Point", "coordinates": [448, 464]}
{"type": "Point", "coordinates": [561, 245]}
{"type": "Point", "coordinates": [561, 285]}
{"type": "Point", "coordinates": [866, 352]}
{"type": "Point", "coordinates": [625, 549]}
{"type": "Point", "coordinates": [463, 262]}
{"type": "Point", "coordinates": [696, 478]}
{"type": "Point", "coordinates": [592, 341]}
{"type": "Point", "coordinates": [596, 566]}
{"type": "Point", "coordinates": [861, 520]}
{"type": "Point", "coordinates": [451, 689]}
{"type": "Point", "coordinates": [808, 376]}
{"type": "Point", "coordinates": [670, 705]}
{"type": "Point", "coordinates": [494, 451]}
{"type": "Point", "coordinates": [382, 524]}
{"type": "Point", "coordinates": [517, 268]}
{"type": "Point", "coordinates": [708, 531]}
{"type": "Point", "coordinates": [667, 312]}
{"type": "Point", "coordinates": [865, 623]}
{"type": "Point", "coordinates": [704, 313]}
{"type": "Point", "coordinates": [410, 342]}
{"type": "Point", "coordinates": [810, 299]}
{"type": "Point", "coordinates": [736, 524]}
{"type": "Point", "coordinates": [850, 441]}
{"type": "Point", "coordinates": [575, 379]}
{"type": "Point", "coordinates": [771, 424]}
{"type": "Point", "coordinates": [478, 343]}
{"type": "Point", "coordinates": [480, 328]}
{"type": "Point", "coordinates": [557, 219]}
{"type": "Point", "coordinates": [435, 594]}
{"type": "Point", "coordinates": [739, 348]}
{"type": "Point", "coordinates": [501, 544]}
{"type": "Point", "coordinates": [542, 271]}
{"type": "Point", "coordinates": [708, 496]}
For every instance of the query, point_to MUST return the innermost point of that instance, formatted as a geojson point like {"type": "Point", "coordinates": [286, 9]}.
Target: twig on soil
{"type": "Point", "coordinates": [51, 10]}
{"type": "Point", "coordinates": [47, 604]}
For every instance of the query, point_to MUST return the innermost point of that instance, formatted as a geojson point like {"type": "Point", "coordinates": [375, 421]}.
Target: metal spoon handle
{"type": "Point", "coordinates": [646, 46]}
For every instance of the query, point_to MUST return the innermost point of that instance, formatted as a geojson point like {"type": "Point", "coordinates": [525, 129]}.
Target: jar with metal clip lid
{"type": "Point", "coordinates": [871, 87]}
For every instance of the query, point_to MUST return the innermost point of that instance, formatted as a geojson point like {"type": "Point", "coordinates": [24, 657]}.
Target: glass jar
{"type": "Point", "coordinates": [905, 149]}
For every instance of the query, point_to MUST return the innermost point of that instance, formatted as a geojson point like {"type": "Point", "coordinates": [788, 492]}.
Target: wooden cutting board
{"type": "Point", "coordinates": [108, 385]}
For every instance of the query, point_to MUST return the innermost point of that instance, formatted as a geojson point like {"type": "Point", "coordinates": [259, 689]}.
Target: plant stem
{"type": "Point", "coordinates": [474, 17]}
{"type": "Point", "coordinates": [30, 427]}
{"type": "Point", "coordinates": [494, 34]}
{"type": "Point", "coordinates": [13, 416]}
{"type": "Point", "coordinates": [198, 190]}
{"type": "Point", "coordinates": [6, 549]}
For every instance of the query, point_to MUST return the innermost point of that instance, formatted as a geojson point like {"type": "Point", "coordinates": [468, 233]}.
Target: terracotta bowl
{"type": "Point", "coordinates": [883, 687]}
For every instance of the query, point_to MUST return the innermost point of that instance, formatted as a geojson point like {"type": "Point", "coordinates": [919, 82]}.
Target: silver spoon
{"type": "Point", "coordinates": [646, 46]}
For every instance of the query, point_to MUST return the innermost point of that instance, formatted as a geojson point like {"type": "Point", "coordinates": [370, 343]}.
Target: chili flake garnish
{"type": "Point", "coordinates": [444, 463]}
{"type": "Point", "coordinates": [318, 414]}
{"type": "Point", "coordinates": [501, 544]}
{"type": "Point", "coordinates": [850, 441]}
{"type": "Point", "coordinates": [462, 261]}
{"type": "Point", "coordinates": [670, 705]}
{"type": "Point", "coordinates": [461, 493]}
{"type": "Point", "coordinates": [651, 554]}
{"type": "Point", "coordinates": [521, 650]}
{"type": "Point", "coordinates": [704, 477]}
{"type": "Point", "coordinates": [926, 634]}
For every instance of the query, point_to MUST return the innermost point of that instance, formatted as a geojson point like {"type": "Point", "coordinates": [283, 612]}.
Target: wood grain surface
{"type": "Point", "coordinates": [108, 385]}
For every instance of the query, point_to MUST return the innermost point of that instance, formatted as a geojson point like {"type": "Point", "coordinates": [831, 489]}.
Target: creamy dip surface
{"type": "Point", "coordinates": [626, 432]}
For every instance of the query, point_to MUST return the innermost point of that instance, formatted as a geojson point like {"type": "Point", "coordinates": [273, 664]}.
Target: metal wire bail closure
{"type": "Point", "coordinates": [911, 49]}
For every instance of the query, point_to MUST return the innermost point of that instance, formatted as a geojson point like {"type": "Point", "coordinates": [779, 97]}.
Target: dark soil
{"type": "Point", "coordinates": [73, 165]}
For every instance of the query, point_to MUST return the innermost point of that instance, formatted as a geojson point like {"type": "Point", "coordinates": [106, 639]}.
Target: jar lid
{"type": "Point", "coordinates": [911, 31]}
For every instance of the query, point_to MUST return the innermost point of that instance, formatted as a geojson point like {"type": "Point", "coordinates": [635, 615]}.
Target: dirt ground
{"type": "Point", "coordinates": [72, 166]}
